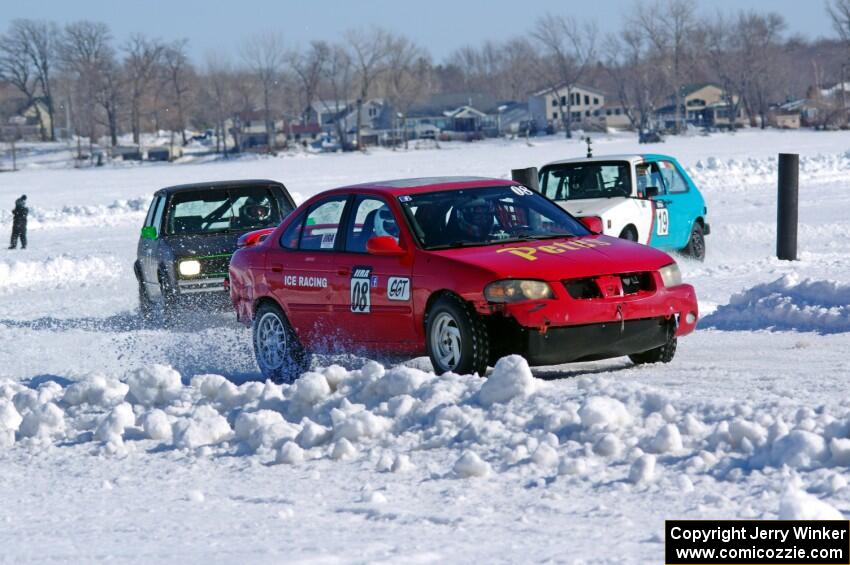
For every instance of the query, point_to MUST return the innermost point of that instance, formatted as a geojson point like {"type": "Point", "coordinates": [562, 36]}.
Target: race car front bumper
{"type": "Point", "coordinates": [194, 286]}
{"type": "Point", "coordinates": [566, 329]}
{"type": "Point", "coordinates": [596, 341]}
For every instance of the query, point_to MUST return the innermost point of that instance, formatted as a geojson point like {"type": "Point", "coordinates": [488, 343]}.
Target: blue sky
{"type": "Point", "coordinates": [439, 25]}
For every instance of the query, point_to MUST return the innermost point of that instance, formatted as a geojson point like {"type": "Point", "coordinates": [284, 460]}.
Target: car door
{"type": "Point", "coordinates": [300, 267]}
{"type": "Point", "coordinates": [372, 295]}
{"type": "Point", "coordinates": [650, 181]}
{"type": "Point", "coordinates": [681, 203]}
{"type": "Point", "coordinates": [150, 260]}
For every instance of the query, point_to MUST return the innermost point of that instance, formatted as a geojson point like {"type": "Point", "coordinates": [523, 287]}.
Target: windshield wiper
{"type": "Point", "coordinates": [455, 244]}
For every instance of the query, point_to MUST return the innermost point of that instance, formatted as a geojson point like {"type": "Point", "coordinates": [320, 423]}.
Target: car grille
{"type": "Point", "coordinates": [609, 286]}
{"type": "Point", "coordinates": [214, 265]}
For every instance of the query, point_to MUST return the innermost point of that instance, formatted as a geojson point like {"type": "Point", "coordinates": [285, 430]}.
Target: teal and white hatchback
{"type": "Point", "coordinates": [645, 198]}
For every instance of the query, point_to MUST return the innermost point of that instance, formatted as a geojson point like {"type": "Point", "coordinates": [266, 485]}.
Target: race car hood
{"type": "Point", "coordinates": [556, 259]}
{"type": "Point", "coordinates": [196, 245]}
{"type": "Point", "coordinates": [590, 206]}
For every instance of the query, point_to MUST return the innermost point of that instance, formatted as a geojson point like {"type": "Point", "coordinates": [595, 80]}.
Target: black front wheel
{"type": "Point", "coordinates": [279, 354]}
{"type": "Point", "coordinates": [663, 354]}
{"type": "Point", "coordinates": [696, 244]}
{"type": "Point", "coordinates": [457, 337]}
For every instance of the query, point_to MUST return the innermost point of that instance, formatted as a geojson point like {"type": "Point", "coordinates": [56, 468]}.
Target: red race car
{"type": "Point", "coordinates": [464, 269]}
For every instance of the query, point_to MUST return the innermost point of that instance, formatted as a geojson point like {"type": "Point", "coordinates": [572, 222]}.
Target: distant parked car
{"type": "Point", "coordinates": [645, 198]}
{"type": "Point", "coordinates": [190, 233]}
{"type": "Point", "coordinates": [650, 137]}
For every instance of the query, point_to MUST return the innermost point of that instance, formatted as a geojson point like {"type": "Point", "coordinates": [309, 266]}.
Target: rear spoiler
{"type": "Point", "coordinates": [253, 238]}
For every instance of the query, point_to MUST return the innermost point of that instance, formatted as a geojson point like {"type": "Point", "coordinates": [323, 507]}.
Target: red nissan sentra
{"type": "Point", "coordinates": [464, 269]}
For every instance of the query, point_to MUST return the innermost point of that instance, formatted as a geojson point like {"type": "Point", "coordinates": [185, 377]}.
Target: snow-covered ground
{"type": "Point", "coordinates": [130, 444]}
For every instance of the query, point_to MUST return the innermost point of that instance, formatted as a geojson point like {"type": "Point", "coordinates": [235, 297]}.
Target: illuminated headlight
{"type": "Point", "coordinates": [671, 275]}
{"type": "Point", "coordinates": [189, 268]}
{"type": "Point", "coordinates": [517, 290]}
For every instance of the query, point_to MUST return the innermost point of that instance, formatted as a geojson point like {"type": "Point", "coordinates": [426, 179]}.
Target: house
{"type": "Point", "coordinates": [616, 116]}
{"type": "Point", "coordinates": [704, 105]}
{"type": "Point", "coordinates": [326, 112]}
{"type": "Point", "coordinates": [249, 128]}
{"type": "Point", "coordinates": [459, 115]}
{"type": "Point", "coordinates": [511, 118]}
{"type": "Point", "coordinates": [586, 105]}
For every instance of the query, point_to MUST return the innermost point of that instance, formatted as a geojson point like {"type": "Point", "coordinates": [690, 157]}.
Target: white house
{"type": "Point", "coordinates": [586, 104]}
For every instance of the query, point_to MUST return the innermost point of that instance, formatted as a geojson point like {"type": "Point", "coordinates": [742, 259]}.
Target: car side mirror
{"type": "Point", "coordinates": [651, 191]}
{"type": "Point", "coordinates": [148, 232]}
{"type": "Point", "coordinates": [384, 246]}
{"type": "Point", "coordinates": [593, 223]}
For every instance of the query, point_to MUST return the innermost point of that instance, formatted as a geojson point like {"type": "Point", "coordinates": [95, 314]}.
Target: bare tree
{"type": "Point", "coordinates": [839, 13]}
{"type": "Point", "coordinates": [308, 67]}
{"type": "Point", "coordinates": [338, 81]}
{"type": "Point", "coordinates": [729, 62]}
{"type": "Point", "coordinates": [35, 41]}
{"type": "Point", "coordinates": [568, 48]}
{"type": "Point", "coordinates": [761, 49]}
{"type": "Point", "coordinates": [265, 55]}
{"type": "Point", "coordinates": [218, 81]}
{"type": "Point", "coordinates": [408, 77]}
{"type": "Point", "coordinates": [16, 68]}
{"type": "Point", "coordinates": [636, 76]}
{"type": "Point", "coordinates": [178, 76]}
{"type": "Point", "coordinates": [87, 53]}
{"type": "Point", "coordinates": [141, 59]}
{"type": "Point", "coordinates": [669, 27]}
{"type": "Point", "coordinates": [369, 50]}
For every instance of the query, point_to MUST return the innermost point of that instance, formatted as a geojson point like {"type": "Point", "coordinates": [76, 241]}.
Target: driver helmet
{"type": "Point", "coordinates": [385, 224]}
{"type": "Point", "coordinates": [256, 210]}
{"type": "Point", "coordinates": [476, 217]}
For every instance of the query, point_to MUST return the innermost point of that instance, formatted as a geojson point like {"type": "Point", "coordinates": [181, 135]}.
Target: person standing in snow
{"type": "Point", "coordinates": [19, 223]}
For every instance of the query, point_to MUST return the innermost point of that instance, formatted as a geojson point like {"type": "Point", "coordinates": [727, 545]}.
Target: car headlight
{"type": "Point", "coordinates": [511, 290]}
{"type": "Point", "coordinates": [189, 268]}
{"type": "Point", "coordinates": [671, 275]}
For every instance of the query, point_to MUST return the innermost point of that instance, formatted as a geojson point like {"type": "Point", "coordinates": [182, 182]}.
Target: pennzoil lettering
{"type": "Point", "coordinates": [530, 253]}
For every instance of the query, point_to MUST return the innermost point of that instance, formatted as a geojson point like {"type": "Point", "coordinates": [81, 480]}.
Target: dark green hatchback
{"type": "Point", "coordinates": [189, 234]}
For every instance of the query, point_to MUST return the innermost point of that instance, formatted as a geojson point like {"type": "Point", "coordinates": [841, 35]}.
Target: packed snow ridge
{"type": "Point", "coordinates": [711, 172]}
{"type": "Point", "coordinates": [119, 211]}
{"type": "Point", "coordinates": [609, 430]}
{"type": "Point", "coordinates": [56, 272]}
{"type": "Point", "coordinates": [787, 304]}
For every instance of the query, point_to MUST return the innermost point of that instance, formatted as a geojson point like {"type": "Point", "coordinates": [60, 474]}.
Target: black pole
{"type": "Point", "coordinates": [786, 206]}
{"type": "Point", "coordinates": [528, 177]}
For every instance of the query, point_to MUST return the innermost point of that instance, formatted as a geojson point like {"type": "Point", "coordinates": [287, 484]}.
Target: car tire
{"type": "Point", "coordinates": [146, 307]}
{"type": "Point", "coordinates": [457, 338]}
{"type": "Point", "coordinates": [280, 356]}
{"type": "Point", "coordinates": [663, 354]}
{"type": "Point", "coordinates": [629, 233]}
{"type": "Point", "coordinates": [696, 244]}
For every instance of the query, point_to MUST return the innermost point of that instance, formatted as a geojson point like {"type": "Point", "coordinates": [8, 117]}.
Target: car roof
{"type": "Point", "coordinates": [399, 187]}
{"type": "Point", "coordinates": [212, 185]}
{"type": "Point", "coordinates": [630, 157]}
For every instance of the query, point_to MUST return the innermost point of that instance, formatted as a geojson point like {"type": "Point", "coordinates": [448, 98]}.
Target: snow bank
{"type": "Point", "coordinates": [605, 431]}
{"type": "Point", "coordinates": [119, 211]}
{"type": "Point", "coordinates": [56, 272]}
{"type": "Point", "coordinates": [786, 304]}
{"type": "Point", "coordinates": [739, 175]}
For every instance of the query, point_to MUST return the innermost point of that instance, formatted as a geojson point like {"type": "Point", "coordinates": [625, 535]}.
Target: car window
{"type": "Point", "coordinates": [321, 226]}
{"type": "Point", "coordinates": [157, 216]}
{"type": "Point", "coordinates": [672, 177]}
{"type": "Point", "coordinates": [486, 216]}
{"type": "Point", "coordinates": [372, 218]}
{"type": "Point", "coordinates": [292, 233]}
{"type": "Point", "coordinates": [219, 210]}
{"type": "Point", "coordinates": [648, 175]}
{"type": "Point", "coordinates": [575, 181]}
{"type": "Point", "coordinates": [152, 210]}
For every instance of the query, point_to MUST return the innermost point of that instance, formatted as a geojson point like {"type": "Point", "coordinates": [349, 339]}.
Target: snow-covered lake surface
{"type": "Point", "coordinates": [126, 444]}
